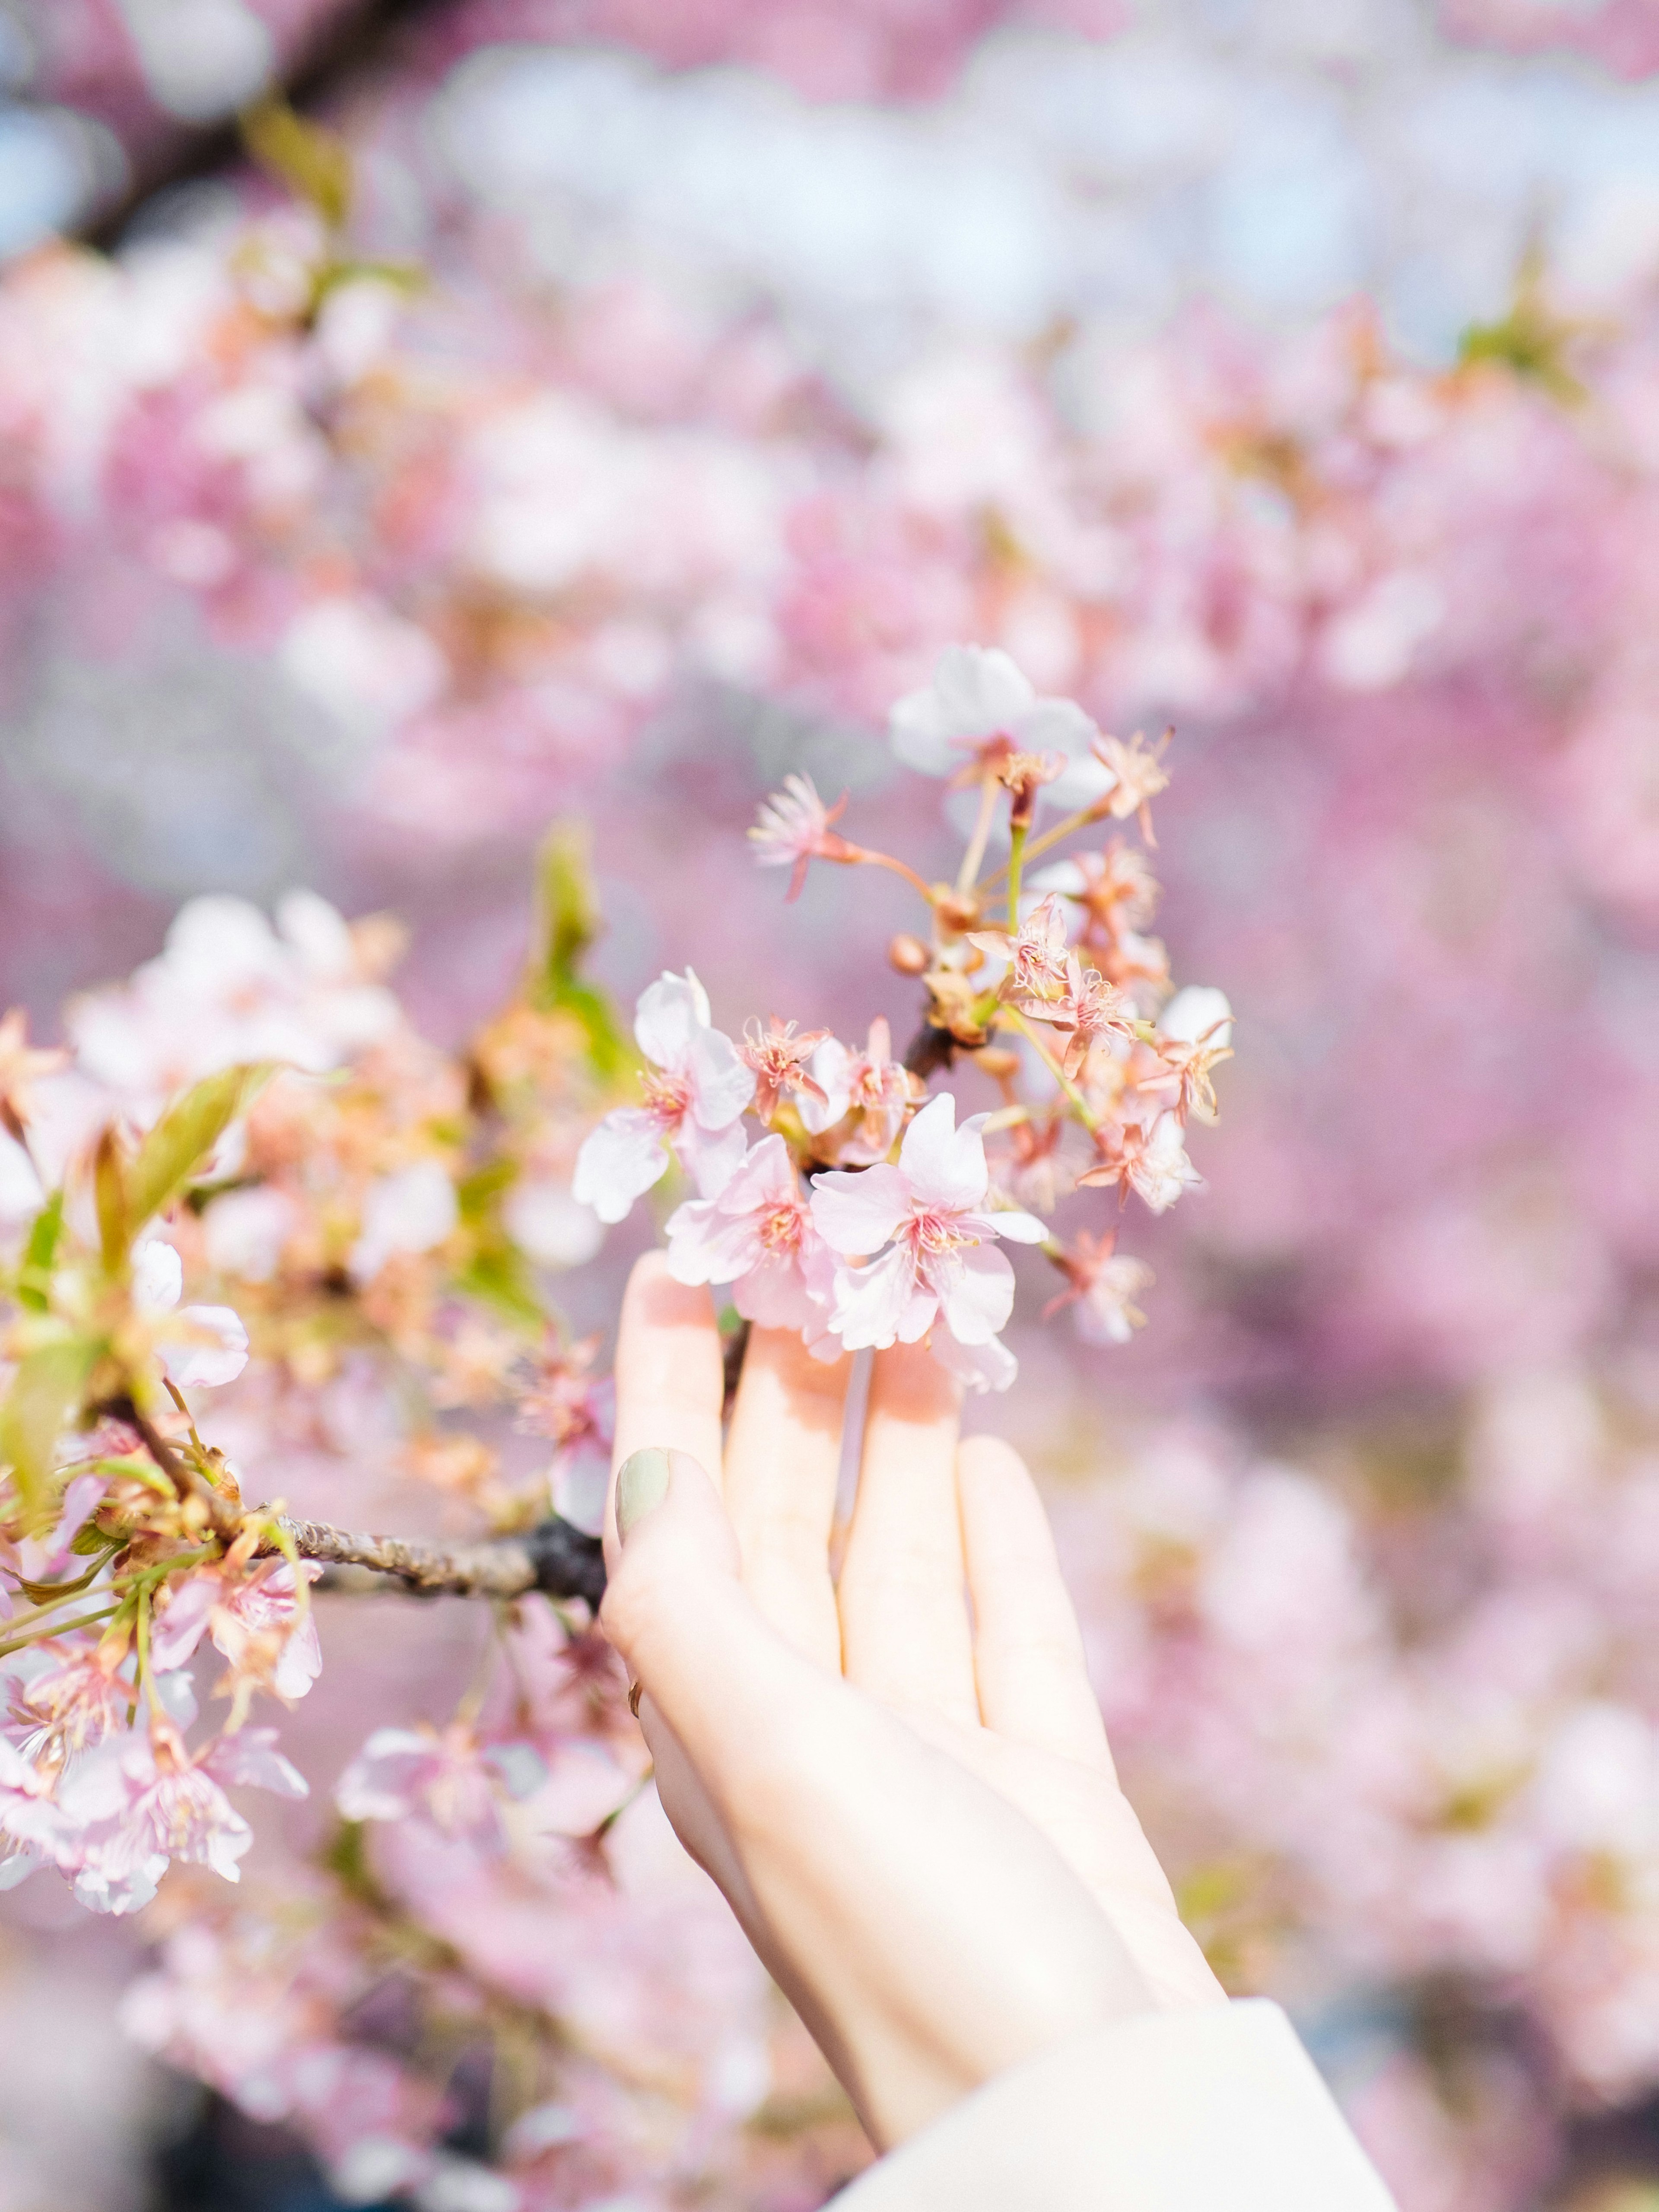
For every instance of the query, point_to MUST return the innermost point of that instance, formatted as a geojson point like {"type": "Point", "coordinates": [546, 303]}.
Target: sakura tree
{"type": "Point", "coordinates": [363, 1221]}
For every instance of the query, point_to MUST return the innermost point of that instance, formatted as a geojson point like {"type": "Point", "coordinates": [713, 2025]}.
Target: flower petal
{"type": "Point", "coordinates": [870, 1303]}
{"type": "Point", "coordinates": [857, 1213]}
{"type": "Point", "coordinates": [619, 1161]}
{"type": "Point", "coordinates": [722, 1083]}
{"type": "Point", "coordinates": [974, 1286]}
{"type": "Point", "coordinates": [669, 1013]}
{"type": "Point", "coordinates": [217, 1350]}
{"type": "Point", "coordinates": [943, 1165]}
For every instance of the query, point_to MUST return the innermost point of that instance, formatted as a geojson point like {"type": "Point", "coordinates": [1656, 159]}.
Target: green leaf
{"type": "Point", "coordinates": [35, 1276]}
{"type": "Point", "coordinates": [311, 160]}
{"type": "Point", "coordinates": [185, 1134]}
{"type": "Point", "coordinates": [44, 1391]}
{"type": "Point", "coordinates": [569, 921]}
{"type": "Point", "coordinates": [498, 1276]}
{"type": "Point", "coordinates": [110, 1188]}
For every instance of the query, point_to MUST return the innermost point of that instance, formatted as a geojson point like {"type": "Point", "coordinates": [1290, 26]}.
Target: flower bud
{"type": "Point", "coordinates": [997, 1061]}
{"type": "Point", "coordinates": [909, 955]}
{"type": "Point", "coordinates": [960, 915]}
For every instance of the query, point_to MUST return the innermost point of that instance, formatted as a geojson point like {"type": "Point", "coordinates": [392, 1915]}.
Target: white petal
{"type": "Point", "coordinates": [158, 1276]}
{"type": "Point", "coordinates": [218, 1355]}
{"type": "Point", "coordinates": [870, 1303]}
{"type": "Point", "coordinates": [856, 1213]}
{"type": "Point", "coordinates": [944, 1166]}
{"type": "Point", "coordinates": [669, 1013]}
{"type": "Point", "coordinates": [989, 1366]}
{"type": "Point", "coordinates": [981, 689]}
{"type": "Point", "coordinates": [619, 1161]}
{"type": "Point", "coordinates": [1198, 1012]}
{"type": "Point", "coordinates": [976, 1290]}
{"type": "Point", "coordinates": [722, 1082]}
{"type": "Point", "coordinates": [828, 1065]}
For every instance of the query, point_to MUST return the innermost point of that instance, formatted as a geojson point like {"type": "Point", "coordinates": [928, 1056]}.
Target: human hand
{"type": "Point", "coordinates": [912, 1811]}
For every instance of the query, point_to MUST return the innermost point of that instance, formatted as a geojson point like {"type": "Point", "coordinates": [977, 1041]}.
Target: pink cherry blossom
{"type": "Point", "coordinates": [252, 1612]}
{"type": "Point", "coordinates": [930, 1211]}
{"type": "Point", "coordinates": [200, 1346]}
{"type": "Point", "coordinates": [692, 1103]}
{"type": "Point", "coordinates": [1103, 1285]}
{"type": "Point", "coordinates": [450, 1779]}
{"type": "Point", "coordinates": [63, 1697]}
{"type": "Point", "coordinates": [761, 1237]}
{"type": "Point", "coordinates": [871, 1086]}
{"type": "Point", "coordinates": [979, 708]}
{"type": "Point", "coordinates": [794, 829]}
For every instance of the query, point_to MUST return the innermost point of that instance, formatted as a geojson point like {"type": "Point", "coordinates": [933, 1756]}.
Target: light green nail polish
{"type": "Point", "coordinates": [641, 1483]}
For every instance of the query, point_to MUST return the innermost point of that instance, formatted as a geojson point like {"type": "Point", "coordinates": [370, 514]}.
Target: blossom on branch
{"type": "Point", "coordinates": [980, 709]}
{"type": "Point", "coordinates": [782, 1064]}
{"type": "Point", "coordinates": [693, 1102]}
{"type": "Point", "coordinates": [931, 1213]}
{"type": "Point", "coordinates": [761, 1237]}
{"type": "Point", "coordinates": [794, 829]}
{"type": "Point", "coordinates": [871, 1087]}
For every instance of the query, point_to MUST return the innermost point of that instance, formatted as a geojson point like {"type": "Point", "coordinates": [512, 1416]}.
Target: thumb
{"type": "Point", "coordinates": [673, 1594]}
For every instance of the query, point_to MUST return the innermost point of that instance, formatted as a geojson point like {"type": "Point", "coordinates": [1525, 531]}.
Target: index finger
{"type": "Point", "coordinates": [671, 1384]}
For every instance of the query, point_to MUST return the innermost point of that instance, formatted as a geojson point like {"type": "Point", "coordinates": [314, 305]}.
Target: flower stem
{"type": "Point", "coordinates": [1080, 820]}
{"type": "Point", "coordinates": [864, 855]}
{"type": "Point", "coordinates": [1085, 1113]}
{"type": "Point", "coordinates": [1015, 859]}
{"type": "Point", "coordinates": [977, 843]}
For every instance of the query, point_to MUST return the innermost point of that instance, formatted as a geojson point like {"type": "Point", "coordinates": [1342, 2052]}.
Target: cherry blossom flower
{"type": "Point", "coordinates": [32, 1829]}
{"type": "Point", "coordinates": [1036, 953]}
{"type": "Point", "coordinates": [63, 1697]}
{"type": "Point", "coordinates": [141, 1801]}
{"type": "Point", "coordinates": [450, 1779]}
{"type": "Point", "coordinates": [782, 1064]}
{"type": "Point", "coordinates": [871, 1086]}
{"type": "Point", "coordinates": [692, 1103]}
{"type": "Point", "coordinates": [578, 1411]}
{"type": "Point", "coordinates": [794, 829]}
{"type": "Point", "coordinates": [980, 708]}
{"type": "Point", "coordinates": [1116, 888]}
{"type": "Point", "coordinates": [931, 1211]}
{"type": "Point", "coordinates": [1103, 1285]}
{"type": "Point", "coordinates": [199, 1346]}
{"type": "Point", "coordinates": [1152, 1162]}
{"type": "Point", "coordinates": [1137, 775]}
{"type": "Point", "coordinates": [252, 1612]}
{"type": "Point", "coordinates": [761, 1237]}
{"type": "Point", "coordinates": [1195, 1034]}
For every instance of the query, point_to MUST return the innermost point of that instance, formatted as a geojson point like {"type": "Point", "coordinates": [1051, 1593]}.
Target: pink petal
{"type": "Point", "coordinates": [710, 1160]}
{"type": "Point", "coordinates": [220, 1356]}
{"type": "Point", "coordinates": [722, 1083]}
{"type": "Point", "coordinates": [618, 1162]}
{"type": "Point", "coordinates": [974, 1286]}
{"type": "Point", "coordinates": [773, 1295]}
{"type": "Point", "coordinates": [1018, 1228]}
{"type": "Point", "coordinates": [870, 1303]}
{"type": "Point", "coordinates": [829, 1067]}
{"type": "Point", "coordinates": [252, 1760]}
{"type": "Point", "coordinates": [669, 1014]}
{"type": "Point", "coordinates": [856, 1213]}
{"type": "Point", "coordinates": [178, 1625]}
{"type": "Point", "coordinates": [988, 1366]}
{"type": "Point", "coordinates": [944, 1166]}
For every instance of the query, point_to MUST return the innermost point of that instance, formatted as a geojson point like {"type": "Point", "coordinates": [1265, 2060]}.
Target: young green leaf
{"type": "Point", "coordinates": [44, 1391]}
{"type": "Point", "coordinates": [303, 155]}
{"type": "Point", "coordinates": [35, 1276]}
{"type": "Point", "coordinates": [569, 921]}
{"type": "Point", "coordinates": [185, 1134]}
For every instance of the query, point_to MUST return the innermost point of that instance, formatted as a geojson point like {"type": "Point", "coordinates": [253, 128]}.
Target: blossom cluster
{"type": "Point", "coordinates": [378, 1223]}
{"type": "Point", "coordinates": [863, 1215]}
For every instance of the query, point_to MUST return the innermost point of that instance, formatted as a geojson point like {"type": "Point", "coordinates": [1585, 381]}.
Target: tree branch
{"type": "Point", "coordinates": [553, 1558]}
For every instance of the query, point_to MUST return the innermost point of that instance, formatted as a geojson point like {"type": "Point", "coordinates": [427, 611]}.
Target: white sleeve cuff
{"type": "Point", "coordinates": [1215, 2110]}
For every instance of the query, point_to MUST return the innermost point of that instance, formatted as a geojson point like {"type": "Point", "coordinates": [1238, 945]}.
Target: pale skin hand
{"type": "Point", "coordinates": [911, 1809]}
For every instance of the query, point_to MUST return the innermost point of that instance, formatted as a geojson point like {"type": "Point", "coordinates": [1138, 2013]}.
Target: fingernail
{"type": "Point", "coordinates": [641, 1483]}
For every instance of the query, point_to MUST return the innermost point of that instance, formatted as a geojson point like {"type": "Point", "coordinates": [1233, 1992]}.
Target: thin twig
{"type": "Point", "coordinates": [553, 1558]}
